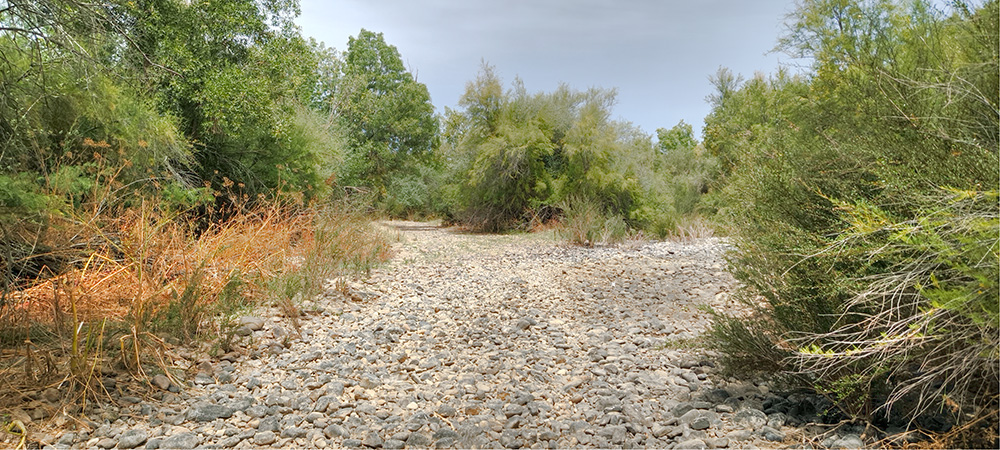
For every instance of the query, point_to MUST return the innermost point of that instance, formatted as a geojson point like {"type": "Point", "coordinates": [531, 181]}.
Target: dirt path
{"type": "Point", "coordinates": [468, 340]}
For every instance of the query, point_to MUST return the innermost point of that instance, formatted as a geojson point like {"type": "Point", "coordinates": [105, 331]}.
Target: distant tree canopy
{"type": "Point", "coordinates": [513, 154]}
{"type": "Point", "coordinates": [387, 116]}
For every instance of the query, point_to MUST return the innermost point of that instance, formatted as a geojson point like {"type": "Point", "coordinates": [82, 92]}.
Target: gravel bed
{"type": "Point", "coordinates": [478, 341]}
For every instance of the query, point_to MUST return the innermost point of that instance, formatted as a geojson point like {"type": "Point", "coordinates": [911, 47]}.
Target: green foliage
{"type": "Point", "coordinates": [184, 314]}
{"type": "Point", "coordinates": [932, 299]}
{"type": "Point", "coordinates": [514, 155]}
{"type": "Point", "coordinates": [386, 114]}
{"type": "Point", "coordinates": [690, 168]}
{"type": "Point", "coordinates": [830, 183]}
{"type": "Point", "coordinates": [239, 93]}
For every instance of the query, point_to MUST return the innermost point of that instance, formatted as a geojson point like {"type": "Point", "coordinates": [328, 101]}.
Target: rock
{"type": "Point", "coordinates": [753, 418]}
{"type": "Point", "coordinates": [161, 381]}
{"type": "Point", "coordinates": [132, 438]}
{"type": "Point", "coordinates": [692, 444]}
{"type": "Point", "coordinates": [511, 439]}
{"type": "Point", "coordinates": [334, 430]}
{"type": "Point", "coordinates": [203, 379]}
{"type": "Point", "coordinates": [264, 438]}
{"type": "Point", "coordinates": [700, 423]}
{"type": "Point", "coordinates": [207, 412]}
{"type": "Point", "coordinates": [66, 439]}
{"type": "Point", "coordinates": [681, 409]}
{"type": "Point", "coordinates": [229, 442]}
{"type": "Point", "coordinates": [293, 432]}
{"type": "Point", "coordinates": [850, 441]}
{"type": "Point", "coordinates": [618, 435]}
{"type": "Point", "coordinates": [443, 433]}
{"type": "Point", "coordinates": [698, 419]}
{"type": "Point", "coordinates": [180, 441]}
{"type": "Point", "coordinates": [444, 443]}
{"type": "Point", "coordinates": [372, 439]}
{"type": "Point", "coordinates": [514, 410]}
{"type": "Point", "coordinates": [717, 442]}
{"type": "Point", "coordinates": [351, 443]}
{"type": "Point", "coordinates": [776, 420]}
{"type": "Point", "coordinates": [393, 444]}
{"type": "Point", "coordinates": [107, 443]}
{"type": "Point", "coordinates": [269, 423]}
{"type": "Point", "coordinates": [772, 434]}
{"type": "Point", "coordinates": [548, 435]}
{"type": "Point", "coordinates": [252, 323]}
{"type": "Point", "coordinates": [418, 440]}
{"type": "Point", "coordinates": [369, 381]}
{"type": "Point", "coordinates": [740, 435]}
{"type": "Point", "coordinates": [447, 411]}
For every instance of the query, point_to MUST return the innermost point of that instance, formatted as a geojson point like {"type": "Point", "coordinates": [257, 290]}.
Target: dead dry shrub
{"type": "Point", "coordinates": [147, 281]}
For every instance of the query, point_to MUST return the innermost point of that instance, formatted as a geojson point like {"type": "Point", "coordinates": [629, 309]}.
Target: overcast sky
{"type": "Point", "coordinates": [658, 54]}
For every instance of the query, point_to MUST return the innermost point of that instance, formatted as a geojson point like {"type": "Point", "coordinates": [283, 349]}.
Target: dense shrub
{"type": "Point", "coordinates": [513, 155]}
{"type": "Point", "coordinates": [867, 282]}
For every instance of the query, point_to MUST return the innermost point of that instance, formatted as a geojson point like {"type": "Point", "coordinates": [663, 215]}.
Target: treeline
{"type": "Point", "coordinates": [510, 159]}
{"type": "Point", "coordinates": [145, 138]}
{"type": "Point", "coordinates": [514, 157]}
{"type": "Point", "coordinates": [862, 199]}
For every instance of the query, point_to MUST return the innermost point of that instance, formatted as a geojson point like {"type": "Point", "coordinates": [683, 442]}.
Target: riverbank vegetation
{"type": "Point", "coordinates": [862, 199]}
{"type": "Point", "coordinates": [165, 164]}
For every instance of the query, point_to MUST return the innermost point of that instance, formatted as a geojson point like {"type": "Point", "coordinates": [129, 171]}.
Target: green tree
{"type": "Point", "coordinates": [235, 72]}
{"type": "Point", "coordinates": [387, 115]}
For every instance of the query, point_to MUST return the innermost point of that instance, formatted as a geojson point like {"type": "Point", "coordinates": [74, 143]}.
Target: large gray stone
{"type": "Point", "coordinates": [132, 438]}
{"type": "Point", "coordinates": [372, 439]}
{"type": "Point", "coordinates": [850, 441]}
{"type": "Point", "coordinates": [418, 440]}
{"type": "Point", "coordinates": [181, 441]}
{"type": "Point", "coordinates": [293, 432]}
{"type": "Point", "coordinates": [692, 444]}
{"type": "Point", "coordinates": [393, 444]}
{"type": "Point", "coordinates": [334, 430]}
{"type": "Point", "coordinates": [772, 434]}
{"type": "Point", "coordinates": [265, 438]}
{"type": "Point", "coordinates": [161, 381]}
{"type": "Point", "coordinates": [753, 418]}
{"type": "Point", "coordinates": [207, 412]}
{"type": "Point", "coordinates": [252, 323]}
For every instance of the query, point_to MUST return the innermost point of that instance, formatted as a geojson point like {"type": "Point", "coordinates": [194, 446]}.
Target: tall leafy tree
{"type": "Point", "coordinates": [387, 115]}
{"type": "Point", "coordinates": [235, 72]}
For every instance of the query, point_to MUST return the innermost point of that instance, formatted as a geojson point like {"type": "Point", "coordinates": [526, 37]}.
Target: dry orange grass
{"type": "Point", "coordinates": [146, 261]}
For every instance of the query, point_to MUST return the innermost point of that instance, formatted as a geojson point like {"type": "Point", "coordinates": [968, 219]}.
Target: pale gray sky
{"type": "Point", "coordinates": [658, 54]}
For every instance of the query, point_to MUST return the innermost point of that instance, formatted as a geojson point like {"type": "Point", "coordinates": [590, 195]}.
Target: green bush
{"type": "Point", "coordinates": [865, 282]}
{"type": "Point", "coordinates": [514, 155]}
{"type": "Point", "coordinates": [925, 324]}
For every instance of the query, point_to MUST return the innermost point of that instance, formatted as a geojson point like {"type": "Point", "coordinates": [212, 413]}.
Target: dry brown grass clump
{"type": "Point", "coordinates": [146, 280]}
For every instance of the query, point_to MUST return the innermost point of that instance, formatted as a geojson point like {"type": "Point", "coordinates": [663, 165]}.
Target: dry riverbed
{"type": "Point", "coordinates": [468, 340]}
